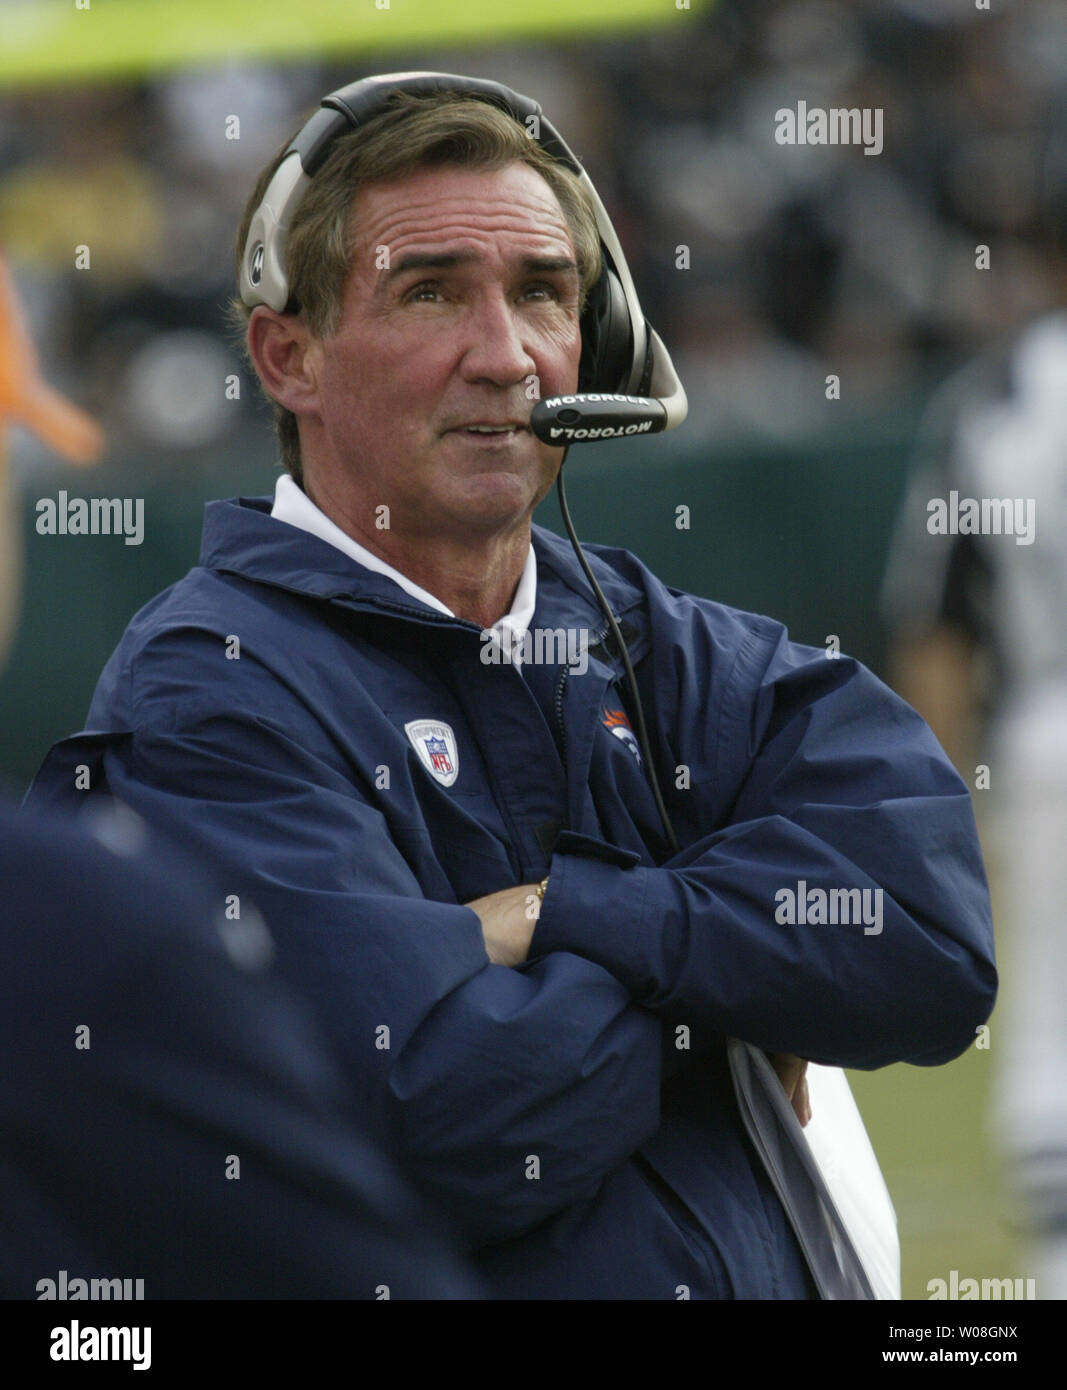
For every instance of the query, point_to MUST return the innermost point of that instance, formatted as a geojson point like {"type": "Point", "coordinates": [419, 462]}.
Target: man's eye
{"type": "Point", "coordinates": [424, 292]}
{"type": "Point", "coordinates": [541, 291]}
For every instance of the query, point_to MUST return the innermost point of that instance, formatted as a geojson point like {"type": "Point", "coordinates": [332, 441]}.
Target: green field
{"type": "Point", "coordinates": [931, 1130]}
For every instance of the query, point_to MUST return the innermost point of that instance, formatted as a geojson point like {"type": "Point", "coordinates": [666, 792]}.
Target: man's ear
{"type": "Point", "coordinates": [278, 345]}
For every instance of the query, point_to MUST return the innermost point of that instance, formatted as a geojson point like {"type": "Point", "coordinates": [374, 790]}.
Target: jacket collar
{"type": "Point", "coordinates": [241, 537]}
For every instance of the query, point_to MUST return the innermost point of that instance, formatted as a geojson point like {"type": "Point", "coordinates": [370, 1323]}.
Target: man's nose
{"type": "Point", "coordinates": [498, 348]}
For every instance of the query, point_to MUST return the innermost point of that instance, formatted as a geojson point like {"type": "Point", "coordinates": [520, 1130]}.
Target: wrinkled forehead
{"type": "Point", "coordinates": [510, 210]}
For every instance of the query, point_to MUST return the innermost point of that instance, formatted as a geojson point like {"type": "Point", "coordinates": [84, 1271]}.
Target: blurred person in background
{"type": "Point", "coordinates": [979, 626]}
{"type": "Point", "coordinates": [169, 1118]}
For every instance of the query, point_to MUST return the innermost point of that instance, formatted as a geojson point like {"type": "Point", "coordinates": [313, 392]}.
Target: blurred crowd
{"type": "Point", "coordinates": [802, 260]}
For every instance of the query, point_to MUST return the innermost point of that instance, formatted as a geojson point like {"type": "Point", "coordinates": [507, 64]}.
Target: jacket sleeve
{"type": "Point", "coordinates": [506, 1095]}
{"type": "Point", "coordinates": [807, 774]}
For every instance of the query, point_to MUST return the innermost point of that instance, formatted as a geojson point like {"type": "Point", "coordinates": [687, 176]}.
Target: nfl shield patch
{"type": "Point", "coordinates": [435, 744]}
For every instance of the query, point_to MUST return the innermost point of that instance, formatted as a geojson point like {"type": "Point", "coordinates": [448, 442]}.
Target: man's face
{"type": "Point", "coordinates": [461, 301]}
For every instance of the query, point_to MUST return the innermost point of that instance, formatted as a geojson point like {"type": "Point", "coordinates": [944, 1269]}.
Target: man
{"type": "Point", "coordinates": [170, 1123]}
{"type": "Point", "coordinates": [453, 835]}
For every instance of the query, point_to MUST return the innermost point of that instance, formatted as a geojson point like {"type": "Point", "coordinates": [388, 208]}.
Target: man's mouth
{"type": "Point", "coordinates": [500, 432]}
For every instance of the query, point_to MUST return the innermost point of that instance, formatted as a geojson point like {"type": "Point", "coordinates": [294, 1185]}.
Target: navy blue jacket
{"type": "Point", "coordinates": [574, 1117]}
{"type": "Point", "coordinates": [167, 1112]}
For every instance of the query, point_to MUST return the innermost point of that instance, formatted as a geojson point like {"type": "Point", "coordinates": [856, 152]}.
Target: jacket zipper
{"type": "Point", "coordinates": [560, 687]}
{"type": "Point", "coordinates": [425, 615]}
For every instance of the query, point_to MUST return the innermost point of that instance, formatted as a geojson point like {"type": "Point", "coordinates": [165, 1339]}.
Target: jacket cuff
{"type": "Point", "coordinates": [604, 912]}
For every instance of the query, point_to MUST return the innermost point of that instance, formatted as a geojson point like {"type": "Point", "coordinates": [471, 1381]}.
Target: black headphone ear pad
{"type": "Point", "coordinates": [607, 337]}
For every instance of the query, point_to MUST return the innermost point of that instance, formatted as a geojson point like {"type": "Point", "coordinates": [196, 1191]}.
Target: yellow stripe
{"type": "Point", "coordinates": [43, 41]}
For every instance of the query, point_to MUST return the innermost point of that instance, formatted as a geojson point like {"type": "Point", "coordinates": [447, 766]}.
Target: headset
{"type": "Point", "coordinates": [627, 384]}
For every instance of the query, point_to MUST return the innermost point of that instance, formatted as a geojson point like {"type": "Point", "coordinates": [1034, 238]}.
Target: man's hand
{"type": "Point", "coordinates": [791, 1071]}
{"type": "Point", "coordinates": [508, 919]}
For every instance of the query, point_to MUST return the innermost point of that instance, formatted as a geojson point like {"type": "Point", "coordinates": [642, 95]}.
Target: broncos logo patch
{"type": "Point", "coordinates": [617, 723]}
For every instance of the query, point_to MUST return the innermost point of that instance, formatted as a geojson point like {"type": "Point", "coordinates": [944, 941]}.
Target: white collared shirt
{"type": "Point", "coordinates": [293, 506]}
